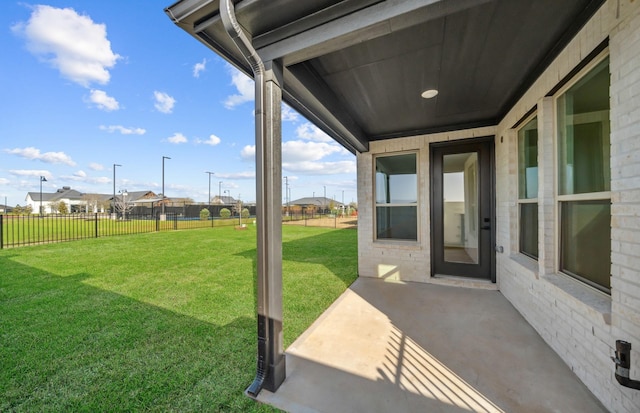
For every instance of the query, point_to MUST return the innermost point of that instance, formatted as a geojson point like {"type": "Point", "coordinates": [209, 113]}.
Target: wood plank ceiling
{"type": "Point", "coordinates": [357, 68]}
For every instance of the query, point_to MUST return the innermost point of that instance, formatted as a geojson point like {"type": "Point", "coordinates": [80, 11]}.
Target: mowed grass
{"type": "Point", "coordinates": [152, 322]}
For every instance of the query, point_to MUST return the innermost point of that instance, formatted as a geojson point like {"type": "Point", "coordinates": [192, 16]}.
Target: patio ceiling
{"type": "Point", "coordinates": [357, 68]}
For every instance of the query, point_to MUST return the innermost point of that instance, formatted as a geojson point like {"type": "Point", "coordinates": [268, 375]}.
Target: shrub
{"type": "Point", "coordinates": [225, 213]}
{"type": "Point", "coordinates": [245, 213]}
{"type": "Point", "coordinates": [62, 208]}
{"type": "Point", "coordinates": [204, 214]}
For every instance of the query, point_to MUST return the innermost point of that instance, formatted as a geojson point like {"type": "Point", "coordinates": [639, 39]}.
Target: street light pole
{"type": "Point", "coordinates": [286, 193]}
{"type": "Point", "coordinates": [209, 201]}
{"type": "Point", "coordinates": [42, 179]}
{"type": "Point", "coordinates": [163, 196]}
{"type": "Point", "coordinates": [113, 200]}
{"type": "Point", "coordinates": [324, 200]}
{"type": "Point", "coordinates": [220, 191]}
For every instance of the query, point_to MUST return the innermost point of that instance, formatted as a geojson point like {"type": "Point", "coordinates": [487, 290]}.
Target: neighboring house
{"type": "Point", "coordinates": [72, 198]}
{"type": "Point", "coordinates": [5, 209]}
{"type": "Point", "coordinates": [142, 198]}
{"type": "Point", "coordinates": [223, 200]}
{"type": "Point", "coordinates": [79, 202]}
{"type": "Point", "coordinates": [97, 203]}
{"type": "Point", "coordinates": [497, 142]}
{"type": "Point", "coordinates": [319, 203]}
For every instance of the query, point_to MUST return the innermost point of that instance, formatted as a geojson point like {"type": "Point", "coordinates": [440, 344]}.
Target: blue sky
{"type": "Point", "coordinates": [89, 84]}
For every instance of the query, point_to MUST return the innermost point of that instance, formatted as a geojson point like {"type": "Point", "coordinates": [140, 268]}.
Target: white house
{"type": "Point", "coordinates": [72, 198]}
{"type": "Point", "coordinates": [497, 143]}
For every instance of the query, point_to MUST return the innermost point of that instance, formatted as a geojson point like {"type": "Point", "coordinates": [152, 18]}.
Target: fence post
{"type": "Point", "coordinates": [1, 231]}
{"type": "Point", "coordinates": [157, 222]}
{"type": "Point", "coordinates": [175, 221]}
{"type": "Point", "coordinates": [96, 216]}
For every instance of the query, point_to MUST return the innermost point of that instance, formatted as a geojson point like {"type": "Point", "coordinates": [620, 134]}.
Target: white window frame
{"type": "Point", "coordinates": [589, 196]}
{"type": "Point", "coordinates": [376, 204]}
{"type": "Point", "coordinates": [519, 200]}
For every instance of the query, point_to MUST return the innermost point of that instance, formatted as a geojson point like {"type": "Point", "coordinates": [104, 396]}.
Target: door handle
{"type": "Point", "coordinates": [486, 227]}
{"type": "Point", "coordinates": [486, 223]}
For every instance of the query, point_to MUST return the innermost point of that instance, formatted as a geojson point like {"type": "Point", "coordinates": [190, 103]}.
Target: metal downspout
{"type": "Point", "coordinates": [227, 14]}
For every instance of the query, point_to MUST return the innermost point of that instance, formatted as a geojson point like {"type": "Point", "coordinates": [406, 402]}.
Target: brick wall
{"type": "Point", "coordinates": [399, 260]}
{"type": "Point", "coordinates": [578, 322]}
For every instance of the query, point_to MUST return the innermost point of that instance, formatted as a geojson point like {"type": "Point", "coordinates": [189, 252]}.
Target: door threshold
{"type": "Point", "coordinates": [457, 281]}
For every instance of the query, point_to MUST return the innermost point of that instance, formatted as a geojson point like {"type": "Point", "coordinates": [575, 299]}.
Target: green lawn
{"type": "Point", "coordinates": [152, 322]}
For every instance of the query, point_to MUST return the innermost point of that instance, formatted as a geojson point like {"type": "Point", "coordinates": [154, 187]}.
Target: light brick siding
{"type": "Point", "coordinates": [399, 260]}
{"type": "Point", "coordinates": [578, 322]}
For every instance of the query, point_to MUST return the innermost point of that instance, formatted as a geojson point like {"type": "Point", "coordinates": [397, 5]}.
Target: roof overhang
{"type": "Point", "coordinates": [357, 68]}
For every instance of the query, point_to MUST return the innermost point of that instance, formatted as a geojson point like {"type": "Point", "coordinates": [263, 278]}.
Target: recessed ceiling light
{"type": "Point", "coordinates": [428, 94]}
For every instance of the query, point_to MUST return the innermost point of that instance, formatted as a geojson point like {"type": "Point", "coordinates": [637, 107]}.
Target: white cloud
{"type": "Point", "coordinates": [48, 157]}
{"type": "Point", "coordinates": [4, 181]}
{"type": "Point", "coordinates": [298, 151]}
{"type": "Point", "coordinates": [103, 101]}
{"type": "Point", "coordinates": [310, 132]}
{"type": "Point", "coordinates": [96, 166]}
{"type": "Point", "coordinates": [321, 168]}
{"type": "Point", "coordinates": [81, 176]}
{"type": "Point", "coordinates": [100, 180]}
{"type": "Point", "coordinates": [245, 87]}
{"type": "Point", "coordinates": [164, 102]}
{"type": "Point", "coordinates": [213, 140]}
{"type": "Point", "coordinates": [305, 157]}
{"type": "Point", "coordinates": [123, 130]}
{"type": "Point", "coordinates": [30, 172]}
{"type": "Point", "coordinates": [73, 44]}
{"type": "Point", "coordinates": [248, 152]}
{"type": "Point", "coordinates": [177, 138]}
{"type": "Point", "coordinates": [288, 114]}
{"type": "Point", "coordinates": [199, 67]}
{"type": "Point", "coordinates": [237, 175]}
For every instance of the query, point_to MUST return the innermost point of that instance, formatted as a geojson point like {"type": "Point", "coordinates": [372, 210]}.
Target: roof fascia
{"type": "Point", "coordinates": [182, 9]}
{"type": "Point", "coordinates": [365, 24]}
{"type": "Point", "coordinates": [309, 95]}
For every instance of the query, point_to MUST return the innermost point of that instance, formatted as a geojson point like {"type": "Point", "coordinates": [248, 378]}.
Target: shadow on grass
{"type": "Point", "coordinates": [337, 250]}
{"type": "Point", "coordinates": [67, 346]}
{"type": "Point", "coordinates": [316, 270]}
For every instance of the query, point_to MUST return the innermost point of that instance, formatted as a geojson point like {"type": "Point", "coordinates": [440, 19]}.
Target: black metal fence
{"type": "Point", "coordinates": [320, 220]}
{"type": "Point", "coordinates": [20, 230]}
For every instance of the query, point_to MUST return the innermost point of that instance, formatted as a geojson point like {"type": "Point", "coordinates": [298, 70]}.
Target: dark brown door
{"type": "Point", "coordinates": [462, 208]}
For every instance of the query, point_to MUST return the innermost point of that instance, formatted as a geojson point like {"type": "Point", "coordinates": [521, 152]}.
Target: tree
{"type": "Point", "coordinates": [204, 214]}
{"type": "Point", "coordinates": [22, 210]}
{"type": "Point", "coordinates": [225, 213]}
{"type": "Point", "coordinates": [53, 206]}
{"type": "Point", "coordinates": [245, 213]}
{"type": "Point", "coordinates": [123, 205]}
{"type": "Point", "coordinates": [237, 209]}
{"type": "Point", "coordinates": [62, 208]}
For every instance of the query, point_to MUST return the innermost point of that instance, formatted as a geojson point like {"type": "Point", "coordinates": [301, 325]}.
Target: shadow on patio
{"type": "Point", "coordinates": [420, 347]}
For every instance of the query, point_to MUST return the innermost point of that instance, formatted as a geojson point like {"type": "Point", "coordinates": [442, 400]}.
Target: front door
{"type": "Point", "coordinates": [462, 208]}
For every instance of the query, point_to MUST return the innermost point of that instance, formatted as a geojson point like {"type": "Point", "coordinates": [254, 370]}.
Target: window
{"type": "Point", "coordinates": [528, 188]}
{"type": "Point", "coordinates": [584, 178]}
{"type": "Point", "coordinates": [397, 197]}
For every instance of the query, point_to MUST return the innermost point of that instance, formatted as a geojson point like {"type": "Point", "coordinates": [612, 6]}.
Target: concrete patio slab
{"type": "Point", "coordinates": [407, 347]}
